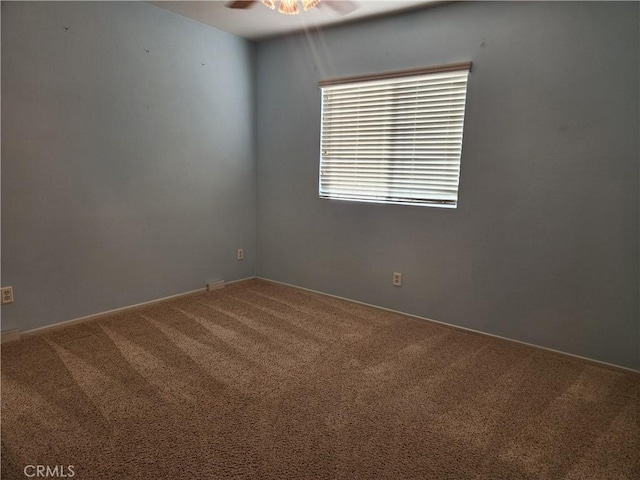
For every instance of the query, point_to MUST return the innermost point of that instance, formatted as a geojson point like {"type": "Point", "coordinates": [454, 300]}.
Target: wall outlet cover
{"type": "Point", "coordinates": [6, 295]}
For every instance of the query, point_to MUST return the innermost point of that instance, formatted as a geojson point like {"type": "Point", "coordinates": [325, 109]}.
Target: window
{"type": "Point", "coordinates": [395, 137]}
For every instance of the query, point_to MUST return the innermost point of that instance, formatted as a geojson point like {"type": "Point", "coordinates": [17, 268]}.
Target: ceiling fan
{"type": "Point", "coordinates": [290, 7]}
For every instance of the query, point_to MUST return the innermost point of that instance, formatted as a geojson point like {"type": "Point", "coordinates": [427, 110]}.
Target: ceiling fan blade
{"type": "Point", "coordinates": [241, 4]}
{"type": "Point", "coordinates": [343, 7]}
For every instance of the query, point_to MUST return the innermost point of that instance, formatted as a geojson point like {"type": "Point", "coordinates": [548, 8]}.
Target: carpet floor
{"type": "Point", "coordinates": [264, 381]}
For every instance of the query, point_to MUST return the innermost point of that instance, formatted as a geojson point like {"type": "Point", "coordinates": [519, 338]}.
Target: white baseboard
{"type": "Point", "coordinates": [246, 279]}
{"type": "Point", "coordinates": [470, 330]}
{"type": "Point", "coordinates": [75, 321]}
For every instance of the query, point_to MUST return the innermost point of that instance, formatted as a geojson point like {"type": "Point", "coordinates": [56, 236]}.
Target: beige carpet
{"type": "Point", "coordinates": [264, 381]}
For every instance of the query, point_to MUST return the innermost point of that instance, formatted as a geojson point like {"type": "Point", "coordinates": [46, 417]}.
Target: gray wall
{"type": "Point", "coordinates": [543, 247]}
{"type": "Point", "coordinates": [126, 175]}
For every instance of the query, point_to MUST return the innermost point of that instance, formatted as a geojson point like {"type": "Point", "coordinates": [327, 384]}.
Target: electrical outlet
{"type": "Point", "coordinates": [6, 295]}
{"type": "Point", "coordinates": [240, 254]}
{"type": "Point", "coordinates": [397, 279]}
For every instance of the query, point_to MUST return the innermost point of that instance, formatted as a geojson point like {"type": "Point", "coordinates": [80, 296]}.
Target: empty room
{"type": "Point", "coordinates": [282, 239]}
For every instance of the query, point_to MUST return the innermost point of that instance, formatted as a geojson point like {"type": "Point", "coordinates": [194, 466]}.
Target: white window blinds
{"type": "Point", "coordinates": [394, 139]}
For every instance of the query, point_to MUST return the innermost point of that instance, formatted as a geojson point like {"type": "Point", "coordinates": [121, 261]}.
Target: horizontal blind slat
{"type": "Point", "coordinates": [445, 117]}
{"type": "Point", "coordinates": [393, 182]}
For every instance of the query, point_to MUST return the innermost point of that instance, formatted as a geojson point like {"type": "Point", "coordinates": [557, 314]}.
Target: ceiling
{"type": "Point", "coordinates": [258, 22]}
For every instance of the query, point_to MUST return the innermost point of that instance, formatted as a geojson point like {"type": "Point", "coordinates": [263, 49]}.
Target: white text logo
{"type": "Point", "coordinates": [47, 471]}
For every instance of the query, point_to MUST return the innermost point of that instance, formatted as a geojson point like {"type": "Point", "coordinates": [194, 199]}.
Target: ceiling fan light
{"type": "Point", "coordinates": [309, 4]}
{"type": "Point", "coordinates": [269, 4]}
{"type": "Point", "coordinates": [289, 7]}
